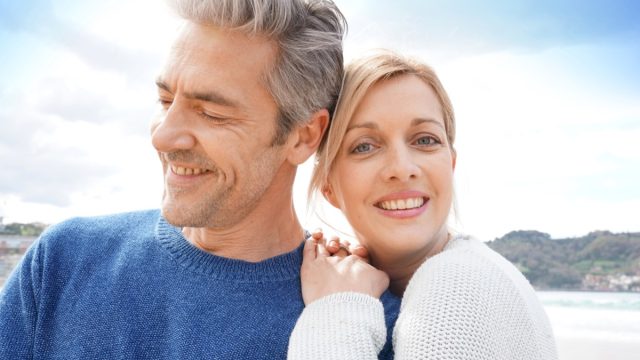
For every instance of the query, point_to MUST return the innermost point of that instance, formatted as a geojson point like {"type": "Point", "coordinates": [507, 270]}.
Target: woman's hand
{"type": "Point", "coordinates": [323, 274]}
{"type": "Point", "coordinates": [343, 248]}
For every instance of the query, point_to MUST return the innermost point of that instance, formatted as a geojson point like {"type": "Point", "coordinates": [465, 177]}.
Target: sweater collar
{"type": "Point", "coordinates": [281, 267]}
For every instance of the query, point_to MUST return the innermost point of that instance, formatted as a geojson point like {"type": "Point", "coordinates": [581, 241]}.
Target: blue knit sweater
{"type": "Point", "coordinates": [130, 286]}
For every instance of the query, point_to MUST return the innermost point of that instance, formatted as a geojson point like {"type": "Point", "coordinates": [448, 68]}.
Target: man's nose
{"type": "Point", "coordinates": [171, 131]}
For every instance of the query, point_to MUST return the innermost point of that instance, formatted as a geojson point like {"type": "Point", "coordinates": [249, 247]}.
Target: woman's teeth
{"type": "Point", "coordinates": [401, 204]}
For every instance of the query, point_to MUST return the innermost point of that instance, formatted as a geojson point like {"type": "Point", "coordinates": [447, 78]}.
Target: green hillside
{"type": "Point", "coordinates": [598, 261]}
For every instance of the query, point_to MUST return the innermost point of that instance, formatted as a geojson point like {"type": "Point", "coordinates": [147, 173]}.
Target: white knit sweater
{"type": "Point", "coordinates": [467, 302]}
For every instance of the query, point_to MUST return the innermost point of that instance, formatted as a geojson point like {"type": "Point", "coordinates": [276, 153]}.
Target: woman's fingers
{"type": "Point", "coordinates": [309, 250]}
{"type": "Point", "coordinates": [337, 247]}
{"type": "Point", "coordinates": [343, 248]}
{"type": "Point", "coordinates": [317, 234]}
{"type": "Point", "coordinates": [360, 251]}
{"type": "Point", "coordinates": [342, 252]}
{"type": "Point", "coordinates": [320, 246]}
{"type": "Point", "coordinates": [322, 250]}
{"type": "Point", "coordinates": [333, 245]}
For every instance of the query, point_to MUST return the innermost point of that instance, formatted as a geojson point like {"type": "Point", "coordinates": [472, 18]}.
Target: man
{"type": "Point", "coordinates": [246, 96]}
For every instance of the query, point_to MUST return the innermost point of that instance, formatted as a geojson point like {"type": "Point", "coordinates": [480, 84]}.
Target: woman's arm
{"type": "Point", "coordinates": [462, 304]}
{"type": "Point", "coordinates": [344, 318]}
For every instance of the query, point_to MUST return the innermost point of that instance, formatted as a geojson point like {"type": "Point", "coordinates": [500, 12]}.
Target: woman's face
{"type": "Point", "coordinates": [393, 176]}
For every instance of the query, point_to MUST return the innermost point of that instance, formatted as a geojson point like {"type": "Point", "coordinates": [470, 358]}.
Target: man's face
{"type": "Point", "coordinates": [214, 134]}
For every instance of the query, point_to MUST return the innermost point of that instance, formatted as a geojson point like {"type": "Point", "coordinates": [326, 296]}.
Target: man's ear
{"type": "Point", "coordinates": [306, 138]}
{"type": "Point", "coordinates": [330, 195]}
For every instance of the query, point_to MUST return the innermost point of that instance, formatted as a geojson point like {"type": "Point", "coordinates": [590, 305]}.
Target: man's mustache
{"type": "Point", "coordinates": [193, 159]}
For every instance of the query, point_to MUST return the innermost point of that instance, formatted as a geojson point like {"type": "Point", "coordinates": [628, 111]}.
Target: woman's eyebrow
{"type": "Point", "coordinates": [418, 121]}
{"type": "Point", "coordinates": [366, 125]}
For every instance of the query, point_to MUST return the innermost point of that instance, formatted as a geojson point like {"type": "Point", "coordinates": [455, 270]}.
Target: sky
{"type": "Point", "coordinates": [546, 95]}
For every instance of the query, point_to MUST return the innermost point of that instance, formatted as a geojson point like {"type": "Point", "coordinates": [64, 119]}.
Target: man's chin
{"type": "Point", "coordinates": [182, 217]}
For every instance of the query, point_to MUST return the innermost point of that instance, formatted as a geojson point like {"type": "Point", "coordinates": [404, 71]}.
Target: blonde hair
{"type": "Point", "coordinates": [308, 33]}
{"type": "Point", "coordinates": [360, 76]}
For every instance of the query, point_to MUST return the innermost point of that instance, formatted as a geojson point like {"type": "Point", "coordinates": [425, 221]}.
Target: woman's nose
{"type": "Point", "coordinates": [400, 164]}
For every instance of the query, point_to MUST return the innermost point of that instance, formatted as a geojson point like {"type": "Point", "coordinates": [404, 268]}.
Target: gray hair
{"type": "Point", "coordinates": [309, 66]}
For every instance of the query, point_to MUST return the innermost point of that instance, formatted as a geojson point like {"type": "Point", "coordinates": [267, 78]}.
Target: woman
{"type": "Point", "coordinates": [387, 162]}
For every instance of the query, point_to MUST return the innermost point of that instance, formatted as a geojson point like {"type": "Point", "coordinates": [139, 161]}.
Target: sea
{"type": "Point", "coordinates": [594, 325]}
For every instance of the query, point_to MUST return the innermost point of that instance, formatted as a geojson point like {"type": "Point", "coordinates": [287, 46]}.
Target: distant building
{"type": "Point", "coordinates": [1, 224]}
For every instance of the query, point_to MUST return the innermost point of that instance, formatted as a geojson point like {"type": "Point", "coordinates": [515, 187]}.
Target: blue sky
{"type": "Point", "coordinates": [547, 97]}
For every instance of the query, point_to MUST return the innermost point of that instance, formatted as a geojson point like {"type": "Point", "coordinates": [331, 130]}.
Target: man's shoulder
{"type": "Point", "coordinates": [80, 230]}
{"type": "Point", "coordinates": [105, 223]}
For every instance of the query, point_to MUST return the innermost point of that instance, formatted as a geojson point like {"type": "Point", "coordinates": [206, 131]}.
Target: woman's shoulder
{"type": "Point", "coordinates": [469, 263]}
{"type": "Point", "coordinates": [469, 254]}
{"type": "Point", "coordinates": [472, 291]}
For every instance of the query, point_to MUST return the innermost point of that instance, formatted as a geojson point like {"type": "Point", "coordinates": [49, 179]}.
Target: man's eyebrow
{"type": "Point", "coordinates": [212, 97]}
{"type": "Point", "coordinates": [163, 85]}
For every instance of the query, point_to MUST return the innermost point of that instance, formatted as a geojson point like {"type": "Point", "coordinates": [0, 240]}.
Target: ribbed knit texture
{"type": "Point", "coordinates": [130, 286]}
{"type": "Point", "coordinates": [467, 302]}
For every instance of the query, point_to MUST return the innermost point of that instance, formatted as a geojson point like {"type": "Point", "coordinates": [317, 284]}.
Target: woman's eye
{"type": "Point", "coordinates": [427, 140]}
{"type": "Point", "coordinates": [362, 148]}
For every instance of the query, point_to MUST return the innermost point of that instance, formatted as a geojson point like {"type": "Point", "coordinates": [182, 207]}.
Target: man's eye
{"type": "Point", "coordinates": [213, 118]}
{"type": "Point", "coordinates": [165, 103]}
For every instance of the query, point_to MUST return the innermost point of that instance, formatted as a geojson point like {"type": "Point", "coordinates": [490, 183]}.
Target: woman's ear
{"type": "Point", "coordinates": [454, 157]}
{"type": "Point", "coordinates": [307, 137]}
{"type": "Point", "coordinates": [329, 194]}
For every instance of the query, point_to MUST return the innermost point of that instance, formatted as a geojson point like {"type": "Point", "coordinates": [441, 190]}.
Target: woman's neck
{"type": "Point", "coordinates": [401, 267]}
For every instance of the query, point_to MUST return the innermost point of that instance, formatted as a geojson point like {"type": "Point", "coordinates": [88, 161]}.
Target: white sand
{"type": "Point", "coordinates": [590, 349]}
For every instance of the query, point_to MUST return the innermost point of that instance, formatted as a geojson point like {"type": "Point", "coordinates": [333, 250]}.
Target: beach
{"type": "Point", "coordinates": [591, 349]}
{"type": "Point", "coordinates": [593, 325]}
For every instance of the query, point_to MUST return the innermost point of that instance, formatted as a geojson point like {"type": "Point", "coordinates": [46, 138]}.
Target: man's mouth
{"type": "Point", "coordinates": [180, 170]}
{"type": "Point", "coordinates": [401, 204]}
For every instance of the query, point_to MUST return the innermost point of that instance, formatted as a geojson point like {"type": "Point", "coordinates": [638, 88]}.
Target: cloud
{"type": "Point", "coordinates": [458, 28]}
{"type": "Point", "coordinates": [49, 160]}
{"type": "Point", "coordinates": [42, 21]}
{"type": "Point", "coordinates": [540, 147]}
{"type": "Point", "coordinates": [75, 105]}
{"type": "Point", "coordinates": [136, 64]}
{"type": "Point", "coordinates": [545, 94]}
{"type": "Point", "coordinates": [64, 132]}
{"type": "Point", "coordinates": [43, 171]}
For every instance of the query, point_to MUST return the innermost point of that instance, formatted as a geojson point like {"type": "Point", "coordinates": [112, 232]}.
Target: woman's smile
{"type": "Point", "coordinates": [402, 205]}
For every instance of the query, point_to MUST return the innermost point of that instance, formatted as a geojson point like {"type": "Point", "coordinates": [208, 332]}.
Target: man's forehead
{"type": "Point", "coordinates": [192, 35]}
{"type": "Point", "coordinates": [214, 49]}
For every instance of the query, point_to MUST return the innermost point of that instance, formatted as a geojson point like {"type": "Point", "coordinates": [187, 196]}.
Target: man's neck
{"type": "Point", "coordinates": [258, 237]}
